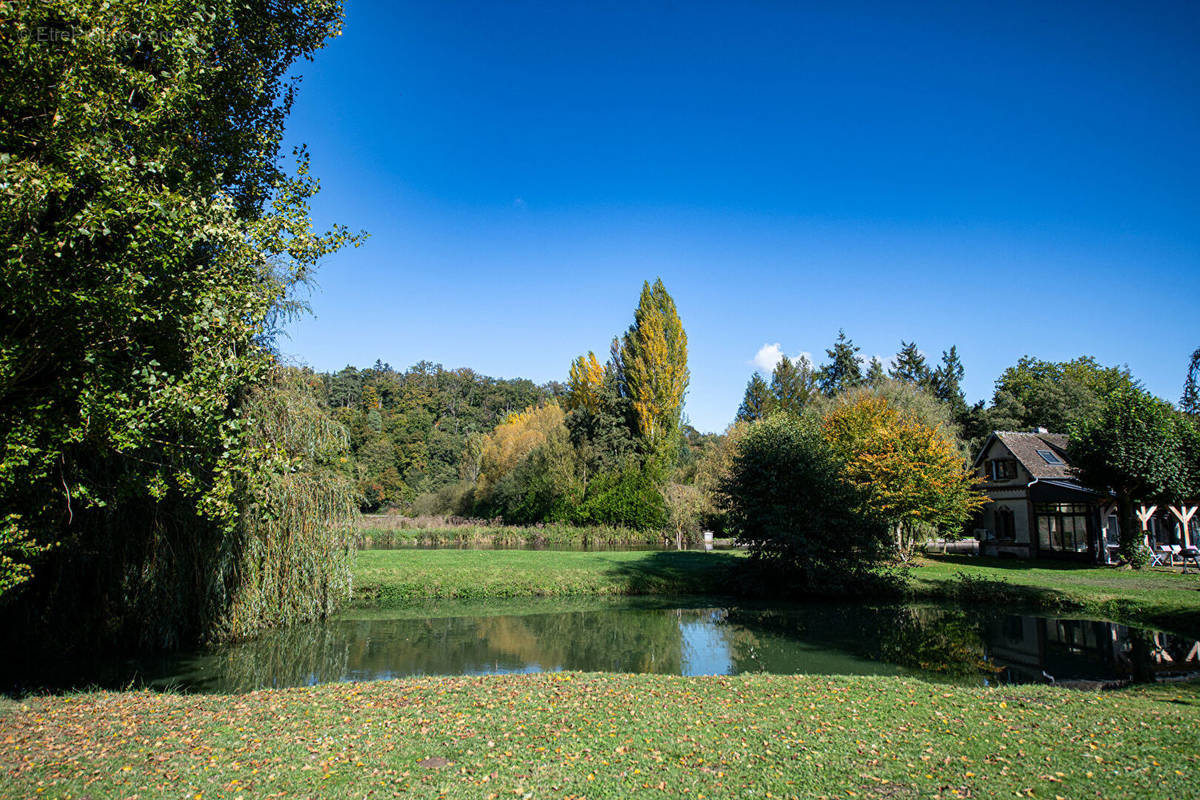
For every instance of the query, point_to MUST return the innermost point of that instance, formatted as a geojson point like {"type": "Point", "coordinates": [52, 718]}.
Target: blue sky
{"type": "Point", "coordinates": [1010, 178]}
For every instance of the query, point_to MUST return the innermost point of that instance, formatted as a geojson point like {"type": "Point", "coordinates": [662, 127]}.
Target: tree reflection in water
{"type": "Point", "coordinates": [937, 642]}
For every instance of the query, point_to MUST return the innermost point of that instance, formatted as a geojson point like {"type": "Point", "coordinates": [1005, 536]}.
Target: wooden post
{"type": "Point", "coordinates": [1184, 514]}
{"type": "Point", "coordinates": [1144, 515]}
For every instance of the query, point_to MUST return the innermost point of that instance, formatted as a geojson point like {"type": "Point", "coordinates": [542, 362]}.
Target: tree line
{"type": "Point", "coordinates": [1125, 442]}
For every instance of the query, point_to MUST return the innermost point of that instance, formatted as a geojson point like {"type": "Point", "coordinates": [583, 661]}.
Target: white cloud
{"type": "Point", "coordinates": [770, 354]}
{"type": "Point", "coordinates": [888, 361]}
{"type": "Point", "coordinates": [767, 357]}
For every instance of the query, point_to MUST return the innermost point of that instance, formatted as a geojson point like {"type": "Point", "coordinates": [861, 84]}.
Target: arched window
{"type": "Point", "coordinates": [1006, 527]}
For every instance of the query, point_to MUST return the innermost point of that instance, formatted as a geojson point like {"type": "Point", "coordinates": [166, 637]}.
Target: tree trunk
{"type": "Point", "coordinates": [1131, 550]}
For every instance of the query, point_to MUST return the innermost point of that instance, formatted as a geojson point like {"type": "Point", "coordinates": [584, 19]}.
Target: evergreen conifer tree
{"type": "Point", "coordinates": [946, 382]}
{"type": "Point", "coordinates": [1190, 402]}
{"type": "Point", "coordinates": [843, 370]}
{"type": "Point", "coordinates": [910, 365]}
{"type": "Point", "coordinates": [875, 373]}
{"type": "Point", "coordinates": [792, 384]}
{"type": "Point", "coordinates": [757, 402]}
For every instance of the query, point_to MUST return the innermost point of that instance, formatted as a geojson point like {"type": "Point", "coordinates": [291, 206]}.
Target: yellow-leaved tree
{"type": "Point", "coordinates": [910, 474]}
{"type": "Point", "coordinates": [585, 384]}
{"type": "Point", "coordinates": [516, 437]}
{"type": "Point", "coordinates": [653, 365]}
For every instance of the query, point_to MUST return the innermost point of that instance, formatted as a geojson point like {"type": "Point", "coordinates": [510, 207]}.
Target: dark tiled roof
{"type": "Point", "coordinates": [1025, 447]}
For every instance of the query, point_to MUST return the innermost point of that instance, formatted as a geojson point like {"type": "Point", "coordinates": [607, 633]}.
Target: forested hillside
{"type": "Point", "coordinates": [409, 431]}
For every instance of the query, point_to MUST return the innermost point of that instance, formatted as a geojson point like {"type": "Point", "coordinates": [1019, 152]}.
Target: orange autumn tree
{"type": "Point", "coordinates": [911, 475]}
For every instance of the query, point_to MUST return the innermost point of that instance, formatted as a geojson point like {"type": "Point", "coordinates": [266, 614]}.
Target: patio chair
{"type": "Point", "coordinates": [1159, 556]}
{"type": "Point", "coordinates": [1193, 555]}
{"type": "Point", "coordinates": [1176, 552]}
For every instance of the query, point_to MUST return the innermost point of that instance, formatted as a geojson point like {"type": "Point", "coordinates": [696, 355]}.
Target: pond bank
{"type": "Point", "coordinates": [593, 735]}
{"type": "Point", "coordinates": [1151, 598]}
{"type": "Point", "coordinates": [390, 576]}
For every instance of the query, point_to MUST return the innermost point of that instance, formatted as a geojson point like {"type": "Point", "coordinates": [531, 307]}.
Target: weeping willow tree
{"type": "Point", "coordinates": [161, 481]}
{"type": "Point", "coordinates": [293, 554]}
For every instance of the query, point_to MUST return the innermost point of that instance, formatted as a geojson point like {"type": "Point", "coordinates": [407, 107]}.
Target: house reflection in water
{"type": "Point", "coordinates": [1041, 650]}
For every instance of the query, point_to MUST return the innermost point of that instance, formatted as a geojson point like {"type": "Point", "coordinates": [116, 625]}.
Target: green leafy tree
{"type": "Point", "coordinates": [152, 242]}
{"type": "Point", "coordinates": [786, 501]}
{"type": "Point", "coordinates": [1054, 395]}
{"type": "Point", "coordinates": [908, 473]}
{"type": "Point", "coordinates": [1134, 447]}
{"type": "Point", "coordinates": [843, 370]}
{"type": "Point", "coordinates": [653, 364]}
{"type": "Point", "coordinates": [604, 438]}
{"type": "Point", "coordinates": [685, 505]}
{"type": "Point", "coordinates": [757, 402]}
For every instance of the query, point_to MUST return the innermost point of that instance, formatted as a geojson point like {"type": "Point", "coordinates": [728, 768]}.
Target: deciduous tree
{"type": "Point", "coordinates": [585, 384]}
{"type": "Point", "coordinates": [653, 360]}
{"type": "Point", "coordinates": [1134, 447]}
{"type": "Point", "coordinates": [152, 240]}
{"type": "Point", "coordinates": [905, 471]}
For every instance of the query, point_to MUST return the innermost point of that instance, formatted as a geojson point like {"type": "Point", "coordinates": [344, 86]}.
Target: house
{"type": "Point", "coordinates": [1038, 509]}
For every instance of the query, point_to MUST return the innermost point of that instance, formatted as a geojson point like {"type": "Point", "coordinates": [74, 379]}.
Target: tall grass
{"type": "Point", "coordinates": [483, 534]}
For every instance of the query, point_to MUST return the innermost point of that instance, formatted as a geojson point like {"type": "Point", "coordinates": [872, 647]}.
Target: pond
{"type": "Point", "coordinates": [680, 637]}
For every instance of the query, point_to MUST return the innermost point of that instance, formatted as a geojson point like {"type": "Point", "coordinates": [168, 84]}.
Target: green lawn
{"type": "Point", "coordinates": [564, 735]}
{"type": "Point", "coordinates": [399, 575]}
{"type": "Point", "coordinates": [1157, 597]}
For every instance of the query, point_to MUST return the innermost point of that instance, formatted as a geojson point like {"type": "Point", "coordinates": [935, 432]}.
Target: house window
{"type": "Point", "coordinates": [1050, 458]}
{"type": "Point", "coordinates": [1062, 527]}
{"type": "Point", "coordinates": [1006, 528]}
{"type": "Point", "coordinates": [1002, 469]}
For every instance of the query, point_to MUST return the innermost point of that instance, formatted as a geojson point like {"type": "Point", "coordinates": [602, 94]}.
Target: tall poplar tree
{"type": "Point", "coordinates": [653, 359]}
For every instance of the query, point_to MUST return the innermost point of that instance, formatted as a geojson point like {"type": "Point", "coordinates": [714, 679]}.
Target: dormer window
{"type": "Point", "coordinates": [1050, 458]}
{"type": "Point", "coordinates": [1002, 469]}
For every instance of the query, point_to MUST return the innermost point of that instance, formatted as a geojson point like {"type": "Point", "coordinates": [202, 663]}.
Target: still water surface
{"type": "Point", "coordinates": [679, 637]}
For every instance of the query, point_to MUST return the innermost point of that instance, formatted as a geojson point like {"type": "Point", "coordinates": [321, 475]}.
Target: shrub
{"type": "Point", "coordinates": [788, 504]}
{"type": "Point", "coordinates": [629, 497]}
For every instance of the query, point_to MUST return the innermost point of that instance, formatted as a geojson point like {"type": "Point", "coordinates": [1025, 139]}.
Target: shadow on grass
{"type": "Point", "coordinates": [968, 588]}
{"type": "Point", "coordinates": [1015, 564]}
{"type": "Point", "coordinates": [679, 572]}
